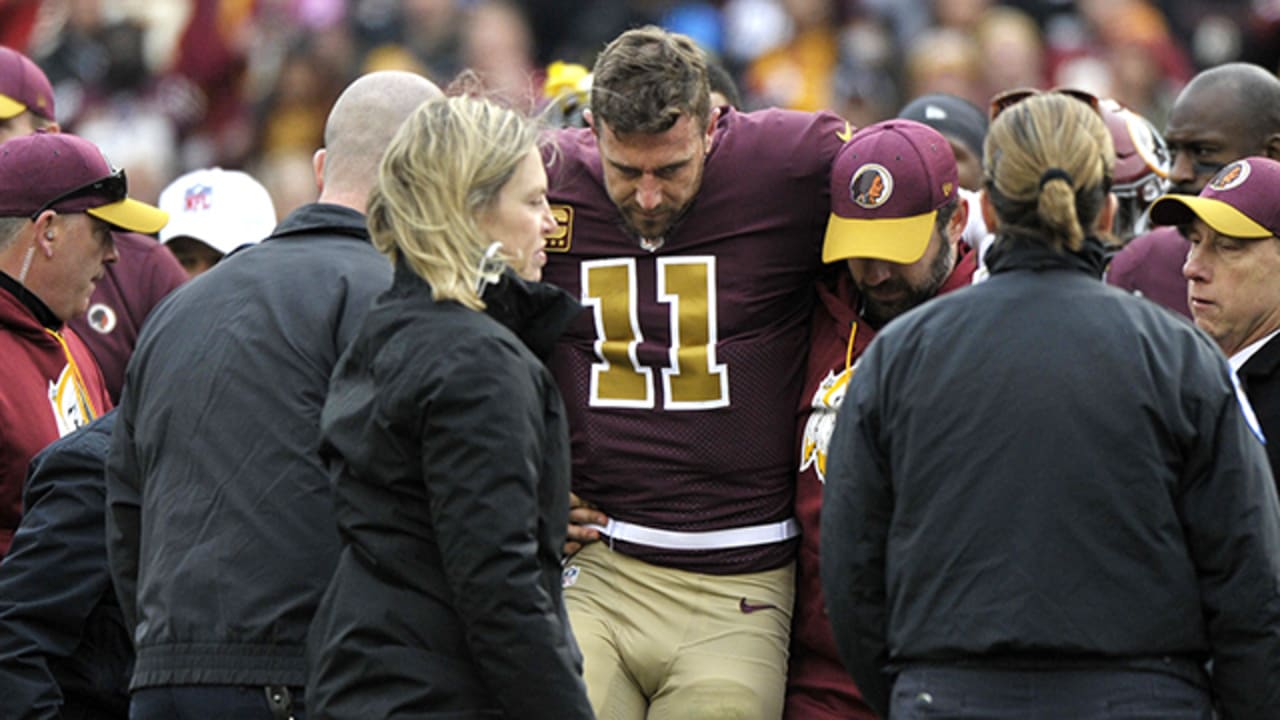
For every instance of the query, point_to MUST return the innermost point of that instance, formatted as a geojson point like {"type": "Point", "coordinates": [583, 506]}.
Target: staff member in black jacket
{"type": "Point", "coordinates": [64, 651]}
{"type": "Point", "coordinates": [1044, 498]}
{"type": "Point", "coordinates": [220, 524]}
{"type": "Point", "coordinates": [451, 445]}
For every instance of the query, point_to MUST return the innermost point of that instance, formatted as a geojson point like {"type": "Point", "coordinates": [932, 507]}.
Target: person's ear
{"type": "Point", "coordinates": [712, 119]}
{"type": "Point", "coordinates": [46, 236]}
{"type": "Point", "coordinates": [317, 167]}
{"type": "Point", "coordinates": [1108, 214]}
{"type": "Point", "coordinates": [988, 212]}
{"type": "Point", "coordinates": [1272, 147]}
{"type": "Point", "coordinates": [589, 118]}
{"type": "Point", "coordinates": [959, 219]}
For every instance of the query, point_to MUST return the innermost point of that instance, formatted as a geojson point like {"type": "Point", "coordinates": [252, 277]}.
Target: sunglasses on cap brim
{"type": "Point", "coordinates": [112, 188]}
{"type": "Point", "coordinates": [1007, 99]}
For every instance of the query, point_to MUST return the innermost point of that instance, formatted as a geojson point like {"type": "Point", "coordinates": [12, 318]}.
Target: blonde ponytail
{"type": "Point", "coordinates": [1049, 161]}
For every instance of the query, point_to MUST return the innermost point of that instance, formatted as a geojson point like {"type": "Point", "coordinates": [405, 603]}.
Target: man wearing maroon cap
{"type": "Point", "coordinates": [145, 273]}
{"type": "Point", "coordinates": [59, 200]}
{"type": "Point", "coordinates": [896, 222]}
{"type": "Point", "coordinates": [1233, 278]}
{"type": "Point", "coordinates": [26, 98]}
{"type": "Point", "coordinates": [1225, 113]}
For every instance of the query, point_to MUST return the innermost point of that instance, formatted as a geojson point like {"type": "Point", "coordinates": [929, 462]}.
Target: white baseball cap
{"type": "Point", "coordinates": [223, 209]}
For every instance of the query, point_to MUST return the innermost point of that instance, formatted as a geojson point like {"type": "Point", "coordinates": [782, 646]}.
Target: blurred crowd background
{"type": "Point", "coordinates": [165, 86]}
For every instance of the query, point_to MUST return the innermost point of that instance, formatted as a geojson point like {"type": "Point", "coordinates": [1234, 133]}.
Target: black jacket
{"type": "Point", "coordinates": [220, 522]}
{"type": "Point", "coordinates": [451, 485]}
{"type": "Point", "coordinates": [64, 651]}
{"type": "Point", "coordinates": [1260, 377]}
{"type": "Point", "coordinates": [1044, 470]}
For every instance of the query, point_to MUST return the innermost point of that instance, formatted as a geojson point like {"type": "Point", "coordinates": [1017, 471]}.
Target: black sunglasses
{"type": "Point", "coordinates": [114, 187]}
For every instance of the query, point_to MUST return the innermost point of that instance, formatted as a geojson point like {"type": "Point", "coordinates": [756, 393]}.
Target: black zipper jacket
{"type": "Point", "coordinates": [64, 651]}
{"type": "Point", "coordinates": [220, 524]}
{"type": "Point", "coordinates": [452, 487]}
{"type": "Point", "coordinates": [1043, 471]}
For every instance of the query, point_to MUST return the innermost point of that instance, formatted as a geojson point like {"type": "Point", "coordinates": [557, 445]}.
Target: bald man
{"type": "Point", "coordinates": [1224, 114]}
{"type": "Point", "coordinates": [220, 529]}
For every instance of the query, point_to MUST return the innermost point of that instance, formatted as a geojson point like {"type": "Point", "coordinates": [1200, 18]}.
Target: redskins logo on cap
{"type": "Point", "coordinates": [1231, 176]}
{"type": "Point", "coordinates": [871, 186]}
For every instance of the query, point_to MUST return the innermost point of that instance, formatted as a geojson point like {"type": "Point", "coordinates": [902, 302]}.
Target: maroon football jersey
{"type": "Point", "coordinates": [682, 377]}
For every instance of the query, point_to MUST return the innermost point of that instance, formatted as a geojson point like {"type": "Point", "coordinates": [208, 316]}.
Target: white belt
{"type": "Point", "coordinates": [706, 540]}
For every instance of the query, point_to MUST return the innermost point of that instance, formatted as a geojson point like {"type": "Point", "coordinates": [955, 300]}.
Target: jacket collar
{"type": "Point", "coordinates": [323, 217]}
{"type": "Point", "coordinates": [1013, 253]}
{"type": "Point", "coordinates": [1264, 362]}
{"type": "Point", "coordinates": [40, 312]}
{"type": "Point", "coordinates": [536, 312]}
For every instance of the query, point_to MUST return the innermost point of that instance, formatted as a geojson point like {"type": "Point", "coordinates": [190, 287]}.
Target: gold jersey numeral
{"type": "Point", "coordinates": [693, 380]}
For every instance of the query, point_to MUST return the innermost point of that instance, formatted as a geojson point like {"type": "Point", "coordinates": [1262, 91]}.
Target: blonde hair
{"type": "Point", "coordinates": [1048, 163]}
{"type": "Point", "coordinates": [446, 164]}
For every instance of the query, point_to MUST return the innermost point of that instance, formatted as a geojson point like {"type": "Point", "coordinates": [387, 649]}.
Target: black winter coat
{"type": "Point", "coordinates": [1260, 376]}
{"type": "Point", "coordinates": [451, 484]}
{"type": "Point", "coordinates": [64, 650]}
{"type": "Point", "coordinates": [1044, 471]}
{"type": "Point", "coordinates": [220, 525]}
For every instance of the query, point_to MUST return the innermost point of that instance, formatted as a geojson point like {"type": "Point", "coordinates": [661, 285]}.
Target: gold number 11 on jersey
{"type": "Point", "coordinates": [692, 380]}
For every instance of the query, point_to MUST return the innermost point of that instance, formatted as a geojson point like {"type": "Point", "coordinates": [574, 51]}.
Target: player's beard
{"type": "Point", "coordinates": [880, 313]}
{"type": "Point", "coordinates": [651, 227]}
{"type": "Point", "coordinates": [656, 228]}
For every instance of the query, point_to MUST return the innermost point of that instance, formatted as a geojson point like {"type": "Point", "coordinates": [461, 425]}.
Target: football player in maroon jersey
{"type": "Point", "coordinates": [693, 236]}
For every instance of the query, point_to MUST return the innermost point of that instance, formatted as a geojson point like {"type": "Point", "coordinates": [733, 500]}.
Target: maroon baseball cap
{"type": "Point", "coordinates": [56, 171]}
{"type": "Point", "coordinates": [887, 184]}
{"type": "Point", "coordinates": [1240, 201]}
{"type": "Point", "coordinates": [23, 86]}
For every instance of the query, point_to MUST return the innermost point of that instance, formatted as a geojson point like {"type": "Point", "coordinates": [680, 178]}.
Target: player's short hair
{"type": "Point", "coordinates": [945, 212]}
{"type": "Point", "coordinates": [647, 78]}
{"type": "Point", "coordinates": [9, 229]}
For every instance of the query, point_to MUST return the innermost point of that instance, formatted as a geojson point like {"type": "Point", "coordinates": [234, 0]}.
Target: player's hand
{"type": "Point", "coordinates": [581, 514]}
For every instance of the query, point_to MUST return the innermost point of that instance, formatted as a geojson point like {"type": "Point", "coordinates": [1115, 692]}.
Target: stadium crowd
{"type": "Point", "coordinates": [764, 359]}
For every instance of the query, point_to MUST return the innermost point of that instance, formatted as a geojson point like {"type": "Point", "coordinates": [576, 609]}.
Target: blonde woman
{"type": "Point", "coordinates": [1043, 498]}
{"type": "Point", "coordinates": [449, 445]}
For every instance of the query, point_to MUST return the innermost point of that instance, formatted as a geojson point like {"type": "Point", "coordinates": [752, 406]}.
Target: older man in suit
{"type": "Point", "coordinates": [1233, 277]}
